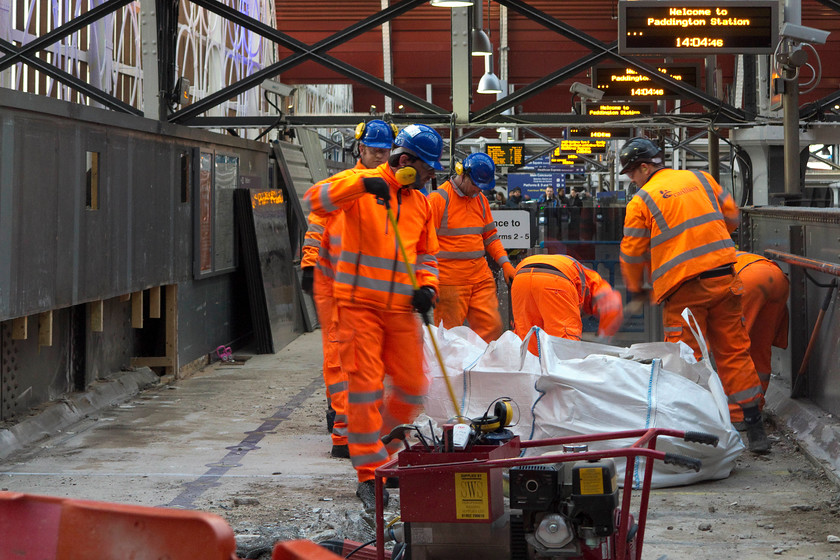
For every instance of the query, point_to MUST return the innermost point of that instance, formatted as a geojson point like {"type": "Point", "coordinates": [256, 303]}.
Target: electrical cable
{"type": "Point", "coordinates": [817, 73]}
{"type": "Point", "coordinates": [814, 280]}
{"type": "Point", "coordinates": [360, 547]}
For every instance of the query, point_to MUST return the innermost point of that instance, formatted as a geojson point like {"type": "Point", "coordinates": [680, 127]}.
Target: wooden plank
{"type": "Point", "coordinates": [152, 361]}
{"type": "Point", "coordinates": [154, 302]}
{"type": "Point", "coordinates": [137, 310]}
{"type": "Point", "coordinates": [20, 328]}
{"type": "Point", "coordinates": [96, 311]}
{"type": "Point", "coordinates": [45, 329]}
{"type": "Point", "coordinates": [125, 297]}
{"type": "Point", "coordinates": [172, 329]}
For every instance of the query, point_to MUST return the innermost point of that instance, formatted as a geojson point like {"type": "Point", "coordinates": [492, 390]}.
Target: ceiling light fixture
{"type": "Point", "coordinates": [489, 82]}
{"type": "Point", "coordinates": [452, 3]}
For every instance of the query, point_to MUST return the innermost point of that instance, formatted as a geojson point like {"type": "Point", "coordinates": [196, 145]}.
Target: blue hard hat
{"type": "Point", "coordinates": [481, 170]}
{"type": "Point", "coordinates": [376, 134]}
{"type": "Point", "coordinates": [422, 141]}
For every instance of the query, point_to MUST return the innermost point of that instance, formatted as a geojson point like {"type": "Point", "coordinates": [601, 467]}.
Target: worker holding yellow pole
{"type": "Point", "coordinates": [380, 281]}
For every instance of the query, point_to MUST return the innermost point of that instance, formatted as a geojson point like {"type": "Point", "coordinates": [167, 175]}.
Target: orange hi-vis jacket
{"type": "Point", "coordinates": [370, 270]}
{"type": "Point", "coordinates": [774, 321]}
{"type": "Point", "coordinates": [676, 227]}
{"type": "Point", "coordinates": [465, 230]}
{"type": "Point", "coordinates": [318, 226]}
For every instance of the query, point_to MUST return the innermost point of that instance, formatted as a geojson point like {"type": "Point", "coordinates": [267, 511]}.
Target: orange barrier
{"type": "Point", "coordinates": [46, 527]}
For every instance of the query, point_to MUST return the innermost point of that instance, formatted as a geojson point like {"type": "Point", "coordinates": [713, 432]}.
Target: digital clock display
{"type": "Point", "coordinates": [619, 82]}
{"type": "Point", "coordinates": [663, 27]}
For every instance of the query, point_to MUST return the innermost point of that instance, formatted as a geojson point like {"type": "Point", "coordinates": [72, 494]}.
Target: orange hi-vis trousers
{"type": "Point", "coordinates": [334, 378]}
{"type": "Point", "coordinates": [764, 302]}
{"type": "Point", "coordinates": [476, 304]}
{"type": "Point", "coordinates": [716, 304]}
{"type": "Point", "coordinates": [548, 301]}
{"type": "Point", "coordinates": [372, 342]}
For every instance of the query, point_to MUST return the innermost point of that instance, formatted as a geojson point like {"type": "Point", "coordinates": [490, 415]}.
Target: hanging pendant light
{"type": "Point", "coordinates": [452, 3]}
{"type": "Point", "coordinates": [489, 82]}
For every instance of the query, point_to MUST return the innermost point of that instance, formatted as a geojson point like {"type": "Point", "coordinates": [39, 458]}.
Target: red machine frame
{"type": "Point", "coordinates": [644, 446]}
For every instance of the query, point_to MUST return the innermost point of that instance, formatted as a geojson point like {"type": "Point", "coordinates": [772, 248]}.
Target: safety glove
{"type": "Point", "coordinates": [509, 272]}
{"type": "Point", "coordinates": [377, 187]}
{"type": "Point", "coordinates": [307, 280]}
{"type": "Point", "coordinates": [423, 299]}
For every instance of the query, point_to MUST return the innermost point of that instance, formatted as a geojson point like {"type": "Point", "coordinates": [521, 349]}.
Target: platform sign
{"type": "Point", "coordinates": [620, 82]}
{"type": "Point", "coordinates": [583, 146]}
{"type": "Point", "coordinates": [507, 155]}
{"type": "Point", "coordinates": [602, 133]}
{"type": "Point", "coordinates": [514, 228]}
{"type": "Point", "coordinates": [543, 164]}
{"type": "Point", "coordinates": [697, 27]}
{"type": "Point", "coordinates": [559, 158]}
{"type": "Point", "coordinates": [534, 184]}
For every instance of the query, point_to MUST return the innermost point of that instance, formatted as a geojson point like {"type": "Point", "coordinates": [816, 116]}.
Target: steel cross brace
{"type": "Point", "coordinates": [305, 52]}
{"type": "Point", "coordinates": [26, 55]}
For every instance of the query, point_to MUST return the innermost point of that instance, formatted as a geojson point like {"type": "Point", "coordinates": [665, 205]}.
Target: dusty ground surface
{"type": "Point", "coordinates": [248, 443]}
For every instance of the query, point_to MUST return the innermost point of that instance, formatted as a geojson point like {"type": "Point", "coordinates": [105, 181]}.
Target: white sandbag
{"type": "Point", "coordinates": [581, 388]}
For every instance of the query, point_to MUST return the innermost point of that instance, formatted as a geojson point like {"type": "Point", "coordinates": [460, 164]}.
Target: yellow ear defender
{"type": "Point", "coordinates": [394, 129]}
{"type": "Point", "coordinates": [502, 416]}
{"type": "Point", "coordinates": [360, 129]}
{"type": "Point", "coordinates": [459, 168]}
{"type": "Point", "coordinates": [406, 175]}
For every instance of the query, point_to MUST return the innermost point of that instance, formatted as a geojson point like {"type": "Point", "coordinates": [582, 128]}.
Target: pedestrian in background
{"type": "Point", "coordinates": [378, 331]}
{"type": "Point", "coordinates": [677, 228]}
{"type": "Point", "coordinates": [466, 231]}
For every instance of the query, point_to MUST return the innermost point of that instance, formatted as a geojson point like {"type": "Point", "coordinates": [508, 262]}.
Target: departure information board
{"type": "Point", "coordinates": [507, 154]}
{"type": "Point", "coordinates": [602, 133]}
{"type": "Point", "coordinates": [618, 110]}
{"type": "Point", "coordinates": [583, 146]}
{"type": "Point", "coordinates": [666, 27]}
{"type": "Point", "coordinates": [620, 82]}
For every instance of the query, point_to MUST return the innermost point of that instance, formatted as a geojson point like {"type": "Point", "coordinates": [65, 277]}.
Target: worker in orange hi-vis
{"type": "Point", "coordinates": [374, 142]}
{"type": "Point", "coordinates": [466, 231]}
{"type": "Point", "coordinates": [677, 229]}
{"type": "Point", "coordinates": [765, 305]}
{"type": "Point", "coordinates": [378, 332]}
{"type": "Point", "coordinates": [551, 292]}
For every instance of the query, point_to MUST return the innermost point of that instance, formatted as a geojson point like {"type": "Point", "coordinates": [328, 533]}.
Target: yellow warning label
{"type": "Point", "coordinates": [591, 481]}
{"type": "Point", "coordinates": [471, 498]}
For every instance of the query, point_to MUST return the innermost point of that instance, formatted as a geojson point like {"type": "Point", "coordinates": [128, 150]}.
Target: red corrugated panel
{"type": "Point", "coordinates": [421, 47]}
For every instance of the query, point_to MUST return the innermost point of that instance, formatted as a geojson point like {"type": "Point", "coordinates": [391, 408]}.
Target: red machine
{"type": "Point", "coordinates": [561, 505]}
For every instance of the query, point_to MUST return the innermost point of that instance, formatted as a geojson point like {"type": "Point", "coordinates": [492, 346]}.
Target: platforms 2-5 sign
{"type": "Point", "coordinates": [514, 228]}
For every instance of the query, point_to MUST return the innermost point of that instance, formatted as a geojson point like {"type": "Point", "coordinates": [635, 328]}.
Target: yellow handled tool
{"type": "Point", "coordinates": [416, 286]}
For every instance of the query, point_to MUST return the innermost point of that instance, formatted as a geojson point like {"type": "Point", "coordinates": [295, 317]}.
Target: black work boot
{"type": "Point", "coordinates": [340, 451]}
{"type": "Point", "coordinates": [366, 492]}
{"type": "Point", "coordinates": [757, 441]}
{"type": "Point", "coordinates": [330, 419]}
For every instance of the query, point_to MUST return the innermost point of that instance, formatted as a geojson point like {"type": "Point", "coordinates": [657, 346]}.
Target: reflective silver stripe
{"type": "Point", "coordinates": [460, 255]}
{"type": "Point", "coordinates": [371, 261]}
{"type": "Point", "coordinates": [371, 458]}
{"type": "Point", "coordinates": [688, 224]}
{"type": "Point", "coordinates": [710, 192]}
{"type": "Point", "coordinates": [491, 226]}
{"type": "Point", "coordinates": [328, 272]}
{"type": "Point", "coordinates": [428, 268]}
{"type": "Point", "coordinates": [424, 259]}
{"type": "Point", "coordinates": [491, 239]}
{"type": "Point", "coordinates": [633, 259]}
{"type": "Point", "coordinates": [406, 398]}
{"type": "Point", "coordinates": [636, 232]}
{"type": "Point", "coordinates": [449, 232]}
{"type": "Point", "coordinates": [583, 285]}
{"type": "Point", "coordinates": [764, 377]}
{"type": "Point", "coordinates": [745, 395]}
{"type": "Point", "coordinates": [315, 228]}
{"type": "Point", "coordinates": [673, 329]}
{"type": "Point", "coordinates": [654, 210]}
{"type": "Point", "coordinates": [341, 432]}
{"type": "Point", "coordinates": [337, 387]}
{"type": "Point", "coordinates": [600, 295]}
{"type": "Point", "coordinates": [324, 197]}
{"type": "Point", "coordinates": [504, 259]}
{"type": "Point", "coordinates": [368, 437]}
{"type": "Point", "coordinates": [309, 242]}
{"type": "Point", "coordinates": [444, 218]}
{"type": "Point", "coordinates": [690, 254]}
{"type": "Point", "coordinates": [384, 286]}
{"type": "Point", "coordinates": [365, 397]}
